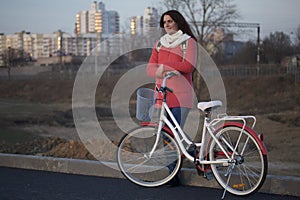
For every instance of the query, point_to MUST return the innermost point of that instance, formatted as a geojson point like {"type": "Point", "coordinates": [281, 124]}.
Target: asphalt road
{"type": "Point", "coordinates": [17, 184]}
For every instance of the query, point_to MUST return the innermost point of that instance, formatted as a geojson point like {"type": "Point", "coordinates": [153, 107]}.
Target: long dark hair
{"type": "Point", "coordinates": [180, 21]}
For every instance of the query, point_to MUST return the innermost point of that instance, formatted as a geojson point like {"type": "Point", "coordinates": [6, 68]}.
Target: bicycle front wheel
{"type": "Point", "coordinates": [144, 163]}
{"type": "Point", "coordinates": [247, 170]}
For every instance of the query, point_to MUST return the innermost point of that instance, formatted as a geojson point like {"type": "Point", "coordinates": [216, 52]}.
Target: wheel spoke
{"type": "Point", "coordinates": [247, 174]}
{"type": "Point", "coordinates": [141, 166]}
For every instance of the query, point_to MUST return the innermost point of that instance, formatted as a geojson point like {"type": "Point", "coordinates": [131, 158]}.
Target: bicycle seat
{"type": "Point", "coordinates": [209, 105]}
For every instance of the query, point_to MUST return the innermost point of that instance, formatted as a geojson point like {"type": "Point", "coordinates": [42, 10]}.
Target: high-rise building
{"type": "Point", "coordinates": [113, 22]}
{"type": "Point", "coordinates": [57, 44]}
{"type": "Point", "coordinates": [143, 24]}
{"type": "Point", "coordinates": [136, 25]}
{"type": "Point", "coordinates": [82, 22]}
{"type": "Point", "coordinates": [150, 19]}
{"type": "Point", "coordinates": [110, 21]}
{"type": "Point", "coordinates": [94, 19]}
{"type": "Point", "coordinates": [98, 20]}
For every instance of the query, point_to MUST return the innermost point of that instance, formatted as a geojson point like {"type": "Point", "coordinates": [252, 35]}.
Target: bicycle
{"type": "Point", "coordinates": [152, 154]}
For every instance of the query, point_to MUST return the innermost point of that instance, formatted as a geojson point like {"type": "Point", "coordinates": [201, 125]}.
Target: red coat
{"type": "Point", "coordinates": [172, 59]}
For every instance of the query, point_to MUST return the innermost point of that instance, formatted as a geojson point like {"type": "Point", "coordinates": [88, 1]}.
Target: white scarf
{"type": "Point", "coordinates": [172, 41]}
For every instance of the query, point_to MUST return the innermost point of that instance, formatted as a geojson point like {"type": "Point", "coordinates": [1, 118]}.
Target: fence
{"type": "Point", "coordinates": [297, 76]}
{"type": "Point", "coordinates": [250, 70]}
{"type": "Point", "coordinates": [262, 70]}
{"type": "Point", "coordinates": [39, 73]}
{"type": "Point", "coordinates": [294, 70]}
{"type": "Point", "coordinates": [69, 72]}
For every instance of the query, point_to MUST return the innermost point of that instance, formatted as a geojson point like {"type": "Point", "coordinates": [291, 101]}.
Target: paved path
{"type": "Point", "coordinates": [23, 184]}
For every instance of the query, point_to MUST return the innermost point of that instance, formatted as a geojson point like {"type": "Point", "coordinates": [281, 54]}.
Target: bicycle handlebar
{"type": "Point", "coordinates": [163, 87]}
{"type": "Point", "coordinates": [167, 76]}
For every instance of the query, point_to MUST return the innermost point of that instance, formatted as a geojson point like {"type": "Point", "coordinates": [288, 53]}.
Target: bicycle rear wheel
{"type": "Point", "coordinates": [248, 169]}
{"type": "Point", "coordinates": [136, 163]}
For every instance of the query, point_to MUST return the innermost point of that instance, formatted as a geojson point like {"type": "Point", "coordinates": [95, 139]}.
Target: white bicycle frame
{"type": "Point", "coordinates": [208, 126]}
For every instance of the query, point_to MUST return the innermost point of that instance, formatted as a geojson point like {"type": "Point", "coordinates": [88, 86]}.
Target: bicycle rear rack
{"type": "Point", "coordinates": [224, 117]}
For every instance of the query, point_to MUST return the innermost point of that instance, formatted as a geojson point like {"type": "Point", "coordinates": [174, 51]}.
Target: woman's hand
{"type": "Point", "coordinates": [160, 72]}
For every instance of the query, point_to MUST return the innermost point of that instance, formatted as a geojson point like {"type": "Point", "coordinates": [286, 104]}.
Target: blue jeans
{"type": "Point", "coordinates": [180, 115]}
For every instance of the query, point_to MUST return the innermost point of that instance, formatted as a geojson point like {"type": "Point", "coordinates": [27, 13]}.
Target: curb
{"type": "Point", "coordinates": [283, 185]}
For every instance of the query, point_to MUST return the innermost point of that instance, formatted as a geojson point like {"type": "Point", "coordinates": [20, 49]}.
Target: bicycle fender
{"type": "Point", "coordinates": [249, 130]}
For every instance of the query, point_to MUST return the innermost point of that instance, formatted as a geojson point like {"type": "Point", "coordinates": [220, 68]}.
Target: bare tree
{"type": "Point", "coordinates": [172, 5]}
{"type": "Point", "coordinates": [12, 58]}
{"type": "Point", "coordinates": [205, 17]}
{"type": "Point", "coordinates": [246, 55]}
{"type": "Point", "coordinates": [276, 46]}
{"type": "Point", "coordinates": [298, 36]}
{"type": "Point", "coordinates": [8, 57]}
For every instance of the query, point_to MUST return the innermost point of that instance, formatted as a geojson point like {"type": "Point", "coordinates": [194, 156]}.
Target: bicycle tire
{"type": "Point", "coordinates": [135, 163]}
{"type": "Point", "coordinates": [248, 172]}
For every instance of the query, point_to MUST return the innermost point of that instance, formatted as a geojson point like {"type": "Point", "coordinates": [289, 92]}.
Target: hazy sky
{"type": "Point", "coordinates": [48, 16]}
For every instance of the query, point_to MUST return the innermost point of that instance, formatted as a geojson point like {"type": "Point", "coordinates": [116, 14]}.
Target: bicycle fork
{"type": "Point", "coordinates": [160, 126]}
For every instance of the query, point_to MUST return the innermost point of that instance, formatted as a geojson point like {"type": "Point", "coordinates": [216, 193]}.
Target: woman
{"type": "Point", "coordinates": [175, 51]}
{"type": "Point", "coordinates": [169, 54]}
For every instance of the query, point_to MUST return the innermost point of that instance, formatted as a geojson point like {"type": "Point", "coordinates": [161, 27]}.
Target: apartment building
{"type": "Point", "coordinates": [150, 19]}
{"type": "Point", "coordinates": [136, 25]}
{"type": "Point", "coordinates": [38, 46]}
{"type": "Point", "coordinates": [91, 27]}
{"type": "Point", "coordinates": [2, 48]}
{"type": "Point", "coordinates": [82, 22]}
{"type": "Point", "coordinates": [98, 20]}
{"type": "Point", "coordinates": [144, 24]}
